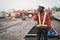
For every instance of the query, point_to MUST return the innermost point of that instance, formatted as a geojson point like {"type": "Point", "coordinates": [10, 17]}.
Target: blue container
{"type": "Point", "coordinates": [51, 34]}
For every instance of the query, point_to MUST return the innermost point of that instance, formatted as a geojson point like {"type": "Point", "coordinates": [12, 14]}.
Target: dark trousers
{"type": "Point", "coordinates": [43, 31]}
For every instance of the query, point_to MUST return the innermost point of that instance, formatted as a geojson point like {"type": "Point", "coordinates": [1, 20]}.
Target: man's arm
{"type": "Point", "coordinates": [35, 18]}
{"type": "Point", "coordinates": [48, 22]}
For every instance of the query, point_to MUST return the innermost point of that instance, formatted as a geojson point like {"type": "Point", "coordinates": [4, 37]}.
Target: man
{"type": "Point", "coordinates": [41, 28]}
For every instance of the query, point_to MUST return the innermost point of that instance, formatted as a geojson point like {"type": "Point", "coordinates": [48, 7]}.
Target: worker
{"type": "Point", "coordinates": [42, 29]}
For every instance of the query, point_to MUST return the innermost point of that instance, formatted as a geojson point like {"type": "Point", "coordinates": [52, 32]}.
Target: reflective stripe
{"type": "Point", "coordinates": [44, 18]}
{"type": "Point", "coordinates": [42, 21]}
{"type": "Point", "coordinates": [39, 18]}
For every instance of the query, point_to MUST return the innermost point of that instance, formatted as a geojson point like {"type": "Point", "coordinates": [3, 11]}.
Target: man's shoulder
{"type": "Point", "coordinates": [36, 13]}
{"type": "Point", "coordinates": [47, 14]}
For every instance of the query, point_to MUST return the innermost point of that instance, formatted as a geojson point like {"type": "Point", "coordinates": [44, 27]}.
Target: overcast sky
{"type": "Point", "coordinates": [27, 4]}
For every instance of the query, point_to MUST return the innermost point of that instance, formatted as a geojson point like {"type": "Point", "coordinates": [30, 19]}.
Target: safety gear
{"type": "Point", "coordinates": [47, 20]}
{"type": "Point", "coordinates": [42, 21]}
{"type": "Point", "coordinates": [51, 34]}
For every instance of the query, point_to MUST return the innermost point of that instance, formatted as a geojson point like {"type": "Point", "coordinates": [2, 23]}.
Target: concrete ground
{"type": "Point", "coordinates": [18, 31]}
{"type": "Point", "coordinates": [8, 23]}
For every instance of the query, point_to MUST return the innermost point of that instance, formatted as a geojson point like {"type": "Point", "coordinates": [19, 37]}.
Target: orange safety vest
{"type": "Point", "coordinates": [47, 20]}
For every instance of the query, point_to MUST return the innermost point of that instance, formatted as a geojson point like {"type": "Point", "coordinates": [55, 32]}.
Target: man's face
{"type": "Point", "coordinates": [41, 9]}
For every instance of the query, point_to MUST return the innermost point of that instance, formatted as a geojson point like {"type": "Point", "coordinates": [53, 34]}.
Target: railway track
{"type": "Point", "coordinates": [18, 28]}
{"type": "Point", "coordinates": [5, 28]}
{"type": "Point", "coordinates": [33, 32]}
